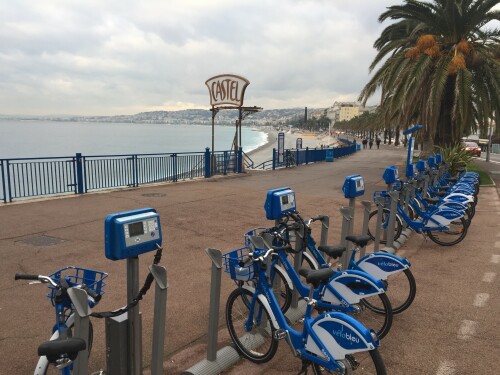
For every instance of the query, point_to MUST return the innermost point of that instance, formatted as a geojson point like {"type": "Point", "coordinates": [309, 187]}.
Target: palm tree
{"type": "Point", "coordinates": [440, 67]}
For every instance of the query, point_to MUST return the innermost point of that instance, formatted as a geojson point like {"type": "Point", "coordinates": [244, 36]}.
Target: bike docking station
{"type": "Point", "coordinates": [128, 235]}
{"type": "Point", "coordinates": [354, 187]}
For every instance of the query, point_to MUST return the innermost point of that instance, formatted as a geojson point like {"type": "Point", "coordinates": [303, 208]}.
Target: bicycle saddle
{"type": "Point", "coordinates": [55, 348]}
{"type": "Point", "coordinates": [442, 187]}
{"type": "Point", "coordinates": [332, 251]}
{"type": "Point", "coordinates": [361, 241]}
{"type": "Point", "coordinates": [316, 277]}
{"type": "Point", "coordinates": [431, 200]}
{"type": "Point", "coordinates": [451, 179]}
{"type": "Point", "coordinates": [440, 193]}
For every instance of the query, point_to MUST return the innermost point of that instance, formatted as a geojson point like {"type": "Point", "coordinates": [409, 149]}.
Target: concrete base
{"type": "Point", "coordinates": [228, 356]}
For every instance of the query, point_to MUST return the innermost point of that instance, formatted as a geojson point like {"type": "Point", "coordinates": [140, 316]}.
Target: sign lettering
{"type": "Point", "coordinates": [227, 89]}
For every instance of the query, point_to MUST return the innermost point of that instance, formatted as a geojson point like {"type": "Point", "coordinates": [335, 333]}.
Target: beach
{"type": "Point", "coordinates": [311, 140]}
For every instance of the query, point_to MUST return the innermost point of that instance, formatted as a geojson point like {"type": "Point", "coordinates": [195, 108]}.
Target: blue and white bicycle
{"type": "Point", "coordinates": [329, 343]}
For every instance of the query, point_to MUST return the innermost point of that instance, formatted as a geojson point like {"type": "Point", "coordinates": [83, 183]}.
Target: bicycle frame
{"type": "Point", "coordinates": [342, 330]}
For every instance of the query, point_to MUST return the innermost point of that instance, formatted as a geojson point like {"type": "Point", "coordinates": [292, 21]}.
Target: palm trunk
{"type": "Point", "coordinates": [445, 132]}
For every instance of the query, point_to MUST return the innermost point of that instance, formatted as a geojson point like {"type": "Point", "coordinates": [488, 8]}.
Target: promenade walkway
{"type": "Point", "coordinates": [449, 329]}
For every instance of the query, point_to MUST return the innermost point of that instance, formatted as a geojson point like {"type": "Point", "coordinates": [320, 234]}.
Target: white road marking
{"type": "Point", "coordinates": [446, 368]}
{"type": "Point", "coordinates": [467, 329]}
{"type": "Point", "coordinates": [488, 277]}
{"type": "Point", "coordinates": [491, 161]}
{"type": "Point", "coordinates": [481, 299]}
{"type": "Point", "coordinates": [495, 258]}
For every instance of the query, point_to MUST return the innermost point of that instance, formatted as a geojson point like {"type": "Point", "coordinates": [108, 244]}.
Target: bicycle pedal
{"type": "Point", "coordinates": [280, 334]}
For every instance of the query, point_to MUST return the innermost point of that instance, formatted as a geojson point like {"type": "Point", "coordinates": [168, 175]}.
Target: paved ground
{"type": "Point", "coordinates": [452, 327]}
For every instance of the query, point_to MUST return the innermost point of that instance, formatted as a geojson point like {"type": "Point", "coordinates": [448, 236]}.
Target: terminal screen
{"type": "Point", "coordinates": [284, 199]}
{"type": "Point", "coordinates": [135, 229]}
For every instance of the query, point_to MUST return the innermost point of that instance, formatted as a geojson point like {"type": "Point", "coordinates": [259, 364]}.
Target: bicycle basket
{"type": "Point", "coordinates": [257, 232]}
{"type": "Point", "coordinates": [94, 280]}
{"type": "Point", "coordinates": [385, 195]}
{"type": "Point", "coordinates": [231, 263]}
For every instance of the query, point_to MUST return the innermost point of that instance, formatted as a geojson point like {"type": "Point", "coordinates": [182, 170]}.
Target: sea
{"type": "Point", "coordinates": [41, 138]}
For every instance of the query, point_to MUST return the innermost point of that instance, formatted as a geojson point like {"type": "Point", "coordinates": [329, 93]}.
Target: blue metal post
{"type": "Point", "coordinates": [79, 174]}
{"type": "Point", "coordinates": [225, 162]}
{"type": "Point", "coordinates": [174, 166]}
{"type": "Point", "coordinates": [274, 159]}
{"type": "Point", "coordinates": [307, 155]}
{"type": "Point", "coordinates": [136, 170]}
{"type": "Point", "coordinates": [4, 193]}
{"type": "Point", "coordinates": [240, 160]}
{"type": "Point", "coordinates": [207, 162]}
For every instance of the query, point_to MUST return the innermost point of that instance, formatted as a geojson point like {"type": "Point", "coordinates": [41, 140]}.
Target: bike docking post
{"type": "Point", "coordinates": [346, 213]}
{"type": "Point", "coordinates": [367, 207]}
{"type": "Point", "coordinates": [390, 177]}
{"type": "Point", "coordinates": [325, 226]}
{"type": "Point", "coordinates": [353, 187]}
{"type": "Point", "coordinates": [216, 361]}
{"type": "Point", "coordinates": [79, 300]}
{"type": "Point", "coordinates": [128, 235]}
{"type": "Point", "coordinates": [378, 230]}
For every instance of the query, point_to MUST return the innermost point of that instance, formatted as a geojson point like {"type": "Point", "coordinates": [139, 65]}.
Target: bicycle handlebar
{"type": "Point", "coordinates": [41, 278]}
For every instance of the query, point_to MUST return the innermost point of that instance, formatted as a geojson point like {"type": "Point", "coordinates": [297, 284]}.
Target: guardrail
{"type": "Point", "coordinates": [32, 177]}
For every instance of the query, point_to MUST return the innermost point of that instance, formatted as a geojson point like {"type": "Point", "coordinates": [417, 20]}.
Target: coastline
{"type": "Point", "coordinates": [312, 140]}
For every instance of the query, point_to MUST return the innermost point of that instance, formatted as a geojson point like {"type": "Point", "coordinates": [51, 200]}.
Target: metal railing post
{"type": "Point", "coordinates": [207, 162]}
{"type": "Point", "coordinates": [79, 174]}
{"type": "Point", "coordinates": [174, 167]}
{"type": "Point", "coordinates": [367, 206]}
{"type": "Point", "coordinates": [9, 187]}
{"type": "Point", "coordinates": [307, 155]}
{"type": "Point", "coordinates": [240, 160]}
{"type": "Point", "coordinates": [4, 192]}
{"type": "Point", "coordinates": [159, 320]}
{"type": "Point", "coordinates": [213, 315]}
{"type": "Point", "coordinates": [274, 159]}
{"type": "Point", "coordinates": [225, 162]}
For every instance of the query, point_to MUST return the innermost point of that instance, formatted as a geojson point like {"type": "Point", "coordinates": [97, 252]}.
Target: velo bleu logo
{"type": "Point", "coordinates": [385, 263]}
{"type": "Point", "coordinates": [343, 335]}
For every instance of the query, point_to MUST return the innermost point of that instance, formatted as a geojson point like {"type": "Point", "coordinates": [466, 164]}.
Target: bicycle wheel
{"type": "Point", "coordinates": [401, 291]}
{"type": "Point", "coordinates": [456, 233]}
{"type": "Point", "coordinates": [372, 225]}
{"type": "Point", "coordinates": [362, 363]}
{"type": "Point", "coordinates": [259, 345]}
{"type": "Point", "coordinates": [376, 313]}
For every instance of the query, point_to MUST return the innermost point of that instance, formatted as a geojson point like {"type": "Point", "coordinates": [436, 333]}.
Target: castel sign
{"type": "Point", "coordinates": [227, 89]}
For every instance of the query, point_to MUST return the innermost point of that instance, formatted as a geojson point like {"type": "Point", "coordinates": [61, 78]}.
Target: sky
{"type": "Point", "coordinates": [112, 57]}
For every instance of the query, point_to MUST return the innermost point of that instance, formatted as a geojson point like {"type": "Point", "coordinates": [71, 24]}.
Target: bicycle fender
{"type": "Point", "coordinates": [266, 305]}
{"type": "Point", "coordinates": [353, 286]}
{"type": "Point", "coordinates": [443, 217]}
{"type": "Point", "coordinates": [334, 335]}
{"type": "Point", "coordinates": [459, 206]}
{"type": "Point", "coordinates": [285, 275]}
{"type": "Point", "coordinates": [380, 265]}
{"type": "Point", "coordinates": [459, 197]}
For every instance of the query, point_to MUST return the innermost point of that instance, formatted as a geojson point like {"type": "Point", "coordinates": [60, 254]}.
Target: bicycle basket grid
{"type": "Point", "coordinates": [232, 267]}
{"type": "Point", "coordinates": [384, 194]}
{"type": "Point", "coordinates": [77, 276]}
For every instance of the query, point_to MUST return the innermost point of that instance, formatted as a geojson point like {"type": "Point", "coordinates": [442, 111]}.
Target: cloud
{"type": "Point", "coordinates": [115, 57]}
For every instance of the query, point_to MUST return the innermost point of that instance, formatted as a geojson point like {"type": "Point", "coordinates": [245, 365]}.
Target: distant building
{"type": "Point", "coordinates": [344, 111]}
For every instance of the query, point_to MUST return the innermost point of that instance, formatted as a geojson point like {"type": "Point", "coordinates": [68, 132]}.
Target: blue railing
{"type": "Point", "coordinates": [31, 177]}
{"type": "Point", "coordinates": [292, 158]}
